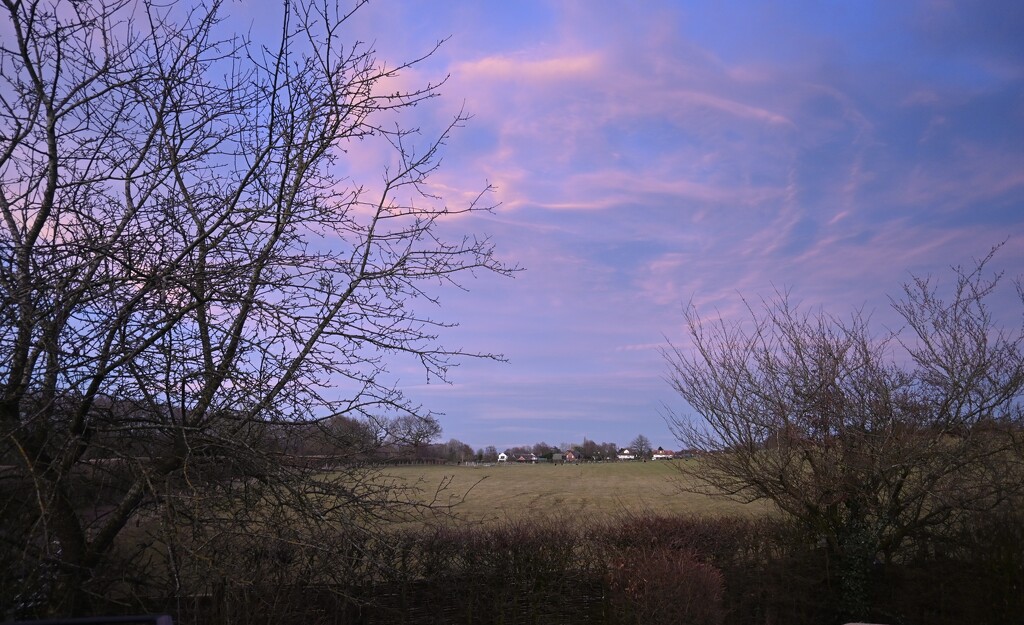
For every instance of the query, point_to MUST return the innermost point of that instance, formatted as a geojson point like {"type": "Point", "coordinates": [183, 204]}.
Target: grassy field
{"type": "Point", "coordinates": [584, 492]}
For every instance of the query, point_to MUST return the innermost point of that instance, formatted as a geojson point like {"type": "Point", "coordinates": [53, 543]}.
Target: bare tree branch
{"type": "Point", "coordinates": [187, 283]}
{"type": "Point", "coordinates": [870, 440]}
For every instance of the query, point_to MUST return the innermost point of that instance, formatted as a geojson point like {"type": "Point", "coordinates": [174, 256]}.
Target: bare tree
{"type": "Point", "coordinates": [490, 454]}
{"type": "Point", "coordinates": [542, 449]}
{"type": "Point", "coordinates": [412, 431]}
{"type": "Point", "coordinates": [186, 270]}
{"type": "Point", "coordinates": [641, 446]}
{"type": "Point", "coordinates": [455, 451]}
{"type": "Point", "coordinates": [874, 441]}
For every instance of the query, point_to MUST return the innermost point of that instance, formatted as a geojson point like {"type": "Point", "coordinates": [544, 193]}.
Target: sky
{"type": "Point", "coordinates": [647, 155]}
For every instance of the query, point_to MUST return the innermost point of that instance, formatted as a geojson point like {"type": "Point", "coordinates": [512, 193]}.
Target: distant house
{"type": "Point", "coordinates": [570, 456]}
{"type": "Point", "coordinates": [662, 454]}
{"type": "Point", "coordinates": [527, 458]}
{"type": "Point", "coordinates": [625, 454]}
{"type": "Point", "coordinates": [502, 457]}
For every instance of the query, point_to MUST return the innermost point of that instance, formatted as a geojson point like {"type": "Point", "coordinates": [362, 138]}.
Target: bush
{"type": "Point", "coordinates": [650, 570]}
{"type": "Point", "coordinates": [663, 585]}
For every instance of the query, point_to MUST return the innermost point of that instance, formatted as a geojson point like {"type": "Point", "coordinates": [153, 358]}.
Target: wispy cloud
{"type": "Point", "coordinates": [654, 155]}
{"type": "Point", "coordinates": [558, 69]}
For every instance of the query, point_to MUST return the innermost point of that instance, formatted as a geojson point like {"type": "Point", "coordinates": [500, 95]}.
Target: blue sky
{"type": "Point", "coordinates": [650, 154]}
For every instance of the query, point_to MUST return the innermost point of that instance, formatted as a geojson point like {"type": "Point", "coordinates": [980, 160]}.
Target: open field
{"type": "Point", "coordinates": [586, 492]}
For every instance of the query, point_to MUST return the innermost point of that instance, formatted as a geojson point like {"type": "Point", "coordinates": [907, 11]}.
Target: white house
{"type": "Point", "coordinates": [662, 454]}
{"type": "Point", "coordinates": [502, 457]}
{"type": "Point", "coordinates": [625, 454]}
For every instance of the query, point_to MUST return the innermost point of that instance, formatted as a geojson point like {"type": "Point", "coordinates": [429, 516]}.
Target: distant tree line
{"type": "Point", "coordinates": [408, 438]}
{"type": "Point", "coordinates": [589, 450]}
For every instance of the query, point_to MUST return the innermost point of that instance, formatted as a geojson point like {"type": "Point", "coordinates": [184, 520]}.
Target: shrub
{"type": "Point", "coordinates": [663, 585]}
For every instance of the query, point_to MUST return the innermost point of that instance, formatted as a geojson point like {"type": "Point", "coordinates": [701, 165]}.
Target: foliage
{"type": "Point", "coordinates": [190, 277]}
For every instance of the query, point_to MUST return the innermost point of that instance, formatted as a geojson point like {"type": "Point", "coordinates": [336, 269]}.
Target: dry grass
{"type": "Point", "coordinates": [583, 492]}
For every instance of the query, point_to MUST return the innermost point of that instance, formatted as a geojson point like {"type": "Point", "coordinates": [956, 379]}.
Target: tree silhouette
{"type": "Point", "coordinates": [872, 440]}
{"type": "Point", "coordinates": [186, 272]}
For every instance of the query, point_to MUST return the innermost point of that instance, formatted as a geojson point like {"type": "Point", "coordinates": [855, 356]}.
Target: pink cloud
{"type": "Point", "coordinates": [544, 70]}
{"type": "Point", "coordinates": [726, 105]}
{"type": "Point", "coordinates": [975, 173]}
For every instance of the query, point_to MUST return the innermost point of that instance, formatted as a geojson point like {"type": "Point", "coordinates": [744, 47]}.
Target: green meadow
{"type": "Point", "coordinates": [588, 492]}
